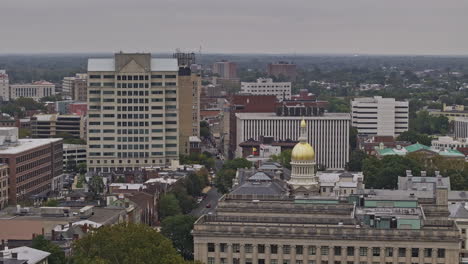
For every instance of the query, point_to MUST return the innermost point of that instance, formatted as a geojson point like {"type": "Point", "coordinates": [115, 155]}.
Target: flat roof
{"type": "Point", "coordinates": [157, 64]}
{"type": "Point", "coordinates": [27, 144]}
{"type": "Point", "coordinates": [272, 115]}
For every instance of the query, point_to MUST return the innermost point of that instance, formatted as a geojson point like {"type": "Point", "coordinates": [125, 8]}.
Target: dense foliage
{"type": "Point", "coordinates": [178, 229]}
{"type": "Point", "coordinates": [224, 177]}
{"type": "Point", "coordinates": [57, 256]}
{"type": "Point", "coordinates": [125, 244]}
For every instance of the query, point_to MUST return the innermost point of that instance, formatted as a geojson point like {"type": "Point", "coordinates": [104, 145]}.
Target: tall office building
{"type": "Point", "coordinates": [189, 86]}
{"type": "Point", "coordinates": [380, 116]}
{"type": "Point", "coordinates": [133, 112]}
{"type": "Point", "coordinates": [327, 132]}
{"type": "Point", "coordinates": [35, 90]}
{"type": "Point", "coordinates": [75, 87]}
{"type": "Point", "coordinates": [266, 86]}
{"type": "Point", "coordinates": [4, 86]}
{"type": "Point", "coordinates": [461, 127]}
{"type": "Point", "coordinates": [282, 69]}
{"type": "Point", "coordinates": [225, 69]}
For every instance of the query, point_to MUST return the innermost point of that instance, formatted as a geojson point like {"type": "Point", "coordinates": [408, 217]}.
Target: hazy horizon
{"type": "Point", "coordinates": [302, 27]}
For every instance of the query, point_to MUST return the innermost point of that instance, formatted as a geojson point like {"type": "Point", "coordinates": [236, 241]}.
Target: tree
{"type": "Point", "coordinates": [96, 186]}
{"type": "Point", "coordinates": [57, 256]}
{"type": "Point", "coordinates": [204, 129]}
{"type": "Point", "coordinates": [284, 158]}
{"type": "Point", "coordinates": [125, 244]}
{"type": "Point", "coordinates": [169, 206]}
{"type": "Point", "coordinates": [237, 163]}
{"type": "Point", "coordinates": [178, 229]}
{"type": "Point", "coordinates": [223, 180]}
{"type": "Point", "coordinates": [353, 132]}
{"type": "Point", "coordinates": [415, 137]}
{"type": "Point", "coordinates": [51, 203]}
{"type": "Point", "coordinates": [355, 160]}
{"type": "Point", "coordinates": [193, 184]}
{"type": "Point", "coordinates": [82, 167]}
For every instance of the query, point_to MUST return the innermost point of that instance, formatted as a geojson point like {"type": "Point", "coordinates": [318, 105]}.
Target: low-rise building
{"type": "Point", "coordinates": [443, 143]}
{"type": "Point", "coordinates": [35, 90]}
{"type": "Point", "coordinates": [4, 86]}
{"type": "Point", "coordinates": [33, 164]}
{"type": "Point", "coordinates": [266, 86]}
{"type": "Point", "coordinates": [73, 154]}
{"type": "Point", "coordinates": [380, 151]}
{"type": "Point", "coordinates": [26, 254]}
{"type": "Point", "coordinates": [55, 125]}
{"type": "Point", "coordinates": [450, 111]}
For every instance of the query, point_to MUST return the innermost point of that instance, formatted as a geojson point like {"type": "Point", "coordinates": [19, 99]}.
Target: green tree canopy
{"type": "Point", "coordinates": [57, 256]}
{"type": "Point", "coordinates": [178, 229]}
{"type": "Point", "coordinates": [169, 206]}
{"type": "Point", "coordinates": [415, 137]}
{"type": "Point", "coordinates": [284, 158]}
{"type": "Point", "coordinates": [125, 244]}
{"type": "Point", "coordinates": [355, 160]}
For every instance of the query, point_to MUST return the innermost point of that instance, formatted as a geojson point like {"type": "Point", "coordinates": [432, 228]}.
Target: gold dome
{"type": "Point", "coordinates": [303, 151]}
{"type": "Point", "coordinates": [303, 123]}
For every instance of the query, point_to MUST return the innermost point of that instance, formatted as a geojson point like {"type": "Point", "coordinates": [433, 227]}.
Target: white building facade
{"type": "Point", "coordinates": [73, 153]}
{"type": "Point", "coordinates": [133, 112]}
{"type": "Point", "coordinates": [35, 90]}
{"type": "Point", "coordinates": [380, 116]}
{"type": "Point", "coordinates": [328, 134]}
{"type": "Point", "coordinates": [449, 143]}
{"type": "Point", "coordinates": [4, 86]}
{"type": "Point", "coordinates": [461, 127]}
{"type": "Point", "coordinates": [266, 86]}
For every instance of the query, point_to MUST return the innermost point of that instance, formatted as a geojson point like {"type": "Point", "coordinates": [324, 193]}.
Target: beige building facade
{"type": "Point", "coordinates": [189, 108]}
{"type": "Point", "coordinates": [133, 105]}
{"type": "Point", "coordinates": [35, 90]}
{"type": "Point", "coordinates": [3, 185]}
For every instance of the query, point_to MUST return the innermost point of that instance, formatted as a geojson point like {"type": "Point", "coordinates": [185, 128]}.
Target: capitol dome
{"type": "Point", "coordinates": [303, 150]}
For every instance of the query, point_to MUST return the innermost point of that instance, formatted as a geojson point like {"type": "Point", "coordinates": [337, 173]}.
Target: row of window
{"type": "Point", "coordinates": [337, 250]}
{"type": "Point", "coordinates": [211, 260]}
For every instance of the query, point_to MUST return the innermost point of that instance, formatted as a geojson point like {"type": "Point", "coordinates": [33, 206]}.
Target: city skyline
{"type": "Point", "coordinates": [272, 27]}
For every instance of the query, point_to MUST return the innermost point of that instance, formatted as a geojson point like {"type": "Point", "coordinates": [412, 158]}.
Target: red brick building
{"type": "Point", "coordinates": [246, 104]}
{"type": "Point", "coordinates": [35, 164]}
{"type": "Point", "coordinates": [282, 68]}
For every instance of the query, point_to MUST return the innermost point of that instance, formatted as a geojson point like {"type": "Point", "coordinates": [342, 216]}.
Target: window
{"type": "Point", "coordinates": [248, 248]}
{"type": "Point", "coordinates": [211, 260]}
{"type": "Point", "coordinates": [222, 247]}
{"type": "Point", "coordinates": [286, 249]}
{"type": "Point", "coordinates": [401, 252]}
{"type": "Point", "coordinates": [171, 84]}
{"type": "Point", "coordinates": [312, 250]}
{"type": "Point", "coordinates": [389, 252]}
{"type": "Point", "coordinates": [350, 251]}
{"type": "Point", "coordinates": [362, 251]}
{"type": "Point", "coordinates": [337, 250]}
{"type": "Point", "coordinates": [324, 251]}
{"type": "Point", "coordinates": [170, 76]}
{"type": "Point", "coordinates": [261, 248]}
{"type": "Point", "coordinates": [273, 261]}
{"type": "Point", "coordinates": [299, 249]}
{"type": "Point", "coordinates": [211, 247]}
{"type": "Point", "coordinates": [156, 92]}
{"type": "Point", "coordinates": [156, 76]}
{"type": "Point", "coordinates": [441, 252]}
{"type": "Point", "coordinates": [376, 251]}
{"type": "Point", "coordinates": [274, 249]}
{"type": "Point", "coordinates": [428, 252]}
{"type": "Point", "coordinates": [415, 252]}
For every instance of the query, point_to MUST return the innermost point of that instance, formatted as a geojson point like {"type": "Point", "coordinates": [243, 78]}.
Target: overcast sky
{"type": "Point", "coordinates": [235, 26]}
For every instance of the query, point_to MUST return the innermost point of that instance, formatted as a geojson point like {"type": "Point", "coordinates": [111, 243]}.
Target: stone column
{"type": "Point", "coordinates": [242, 253]}
{"type": "Point", "coordinates": [229, 253]}
{"type": "Point", "coordinates": [370, 255]}
{"type": "Point", "coordinates": [395, 255]}
{"type": "Point", "coordinates": [292, 254]}
{"type": "Point", "coordinates": [280, 253]}
{"type": "Point", "coordinates": [408, 255]}
{"type": "Point", "coordinates": [267, 254]}
{"type": "Point", "coordinates": [254, 253]}
{"type": "Point", "coordinates": [217, 253]}
{"type": "Point", "coordinates": [382, 254]}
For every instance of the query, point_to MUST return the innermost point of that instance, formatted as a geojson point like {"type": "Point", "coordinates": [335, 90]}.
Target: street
{"type": "Point", "coordinates": [211, 198]}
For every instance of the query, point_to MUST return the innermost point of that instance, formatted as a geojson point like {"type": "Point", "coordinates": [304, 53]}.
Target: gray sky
{"type": "Point", "coordinates": [235, 26]}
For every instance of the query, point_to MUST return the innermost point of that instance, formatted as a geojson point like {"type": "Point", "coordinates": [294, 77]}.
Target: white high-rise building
{"type": "Point", "coordinates": [328, 133]}
{"type": "Point", "coordinates": [266, 86]}
{"type": "Point", "coordinates": [133, 113]}
{"type": "Point", "coordinates": [380, 116]}
{"type": "Point", "coordinates": [4, 86]}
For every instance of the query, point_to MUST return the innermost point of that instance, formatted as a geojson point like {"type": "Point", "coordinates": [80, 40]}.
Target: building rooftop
{"type": "Point", "coordinates": [32, 255]}
{"type": "Point", "coordinates": [26, 144]}
{"type": "Point", "coordinates": [345, 116]}
{"type": "Point", "coordinates": [157, 64]}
